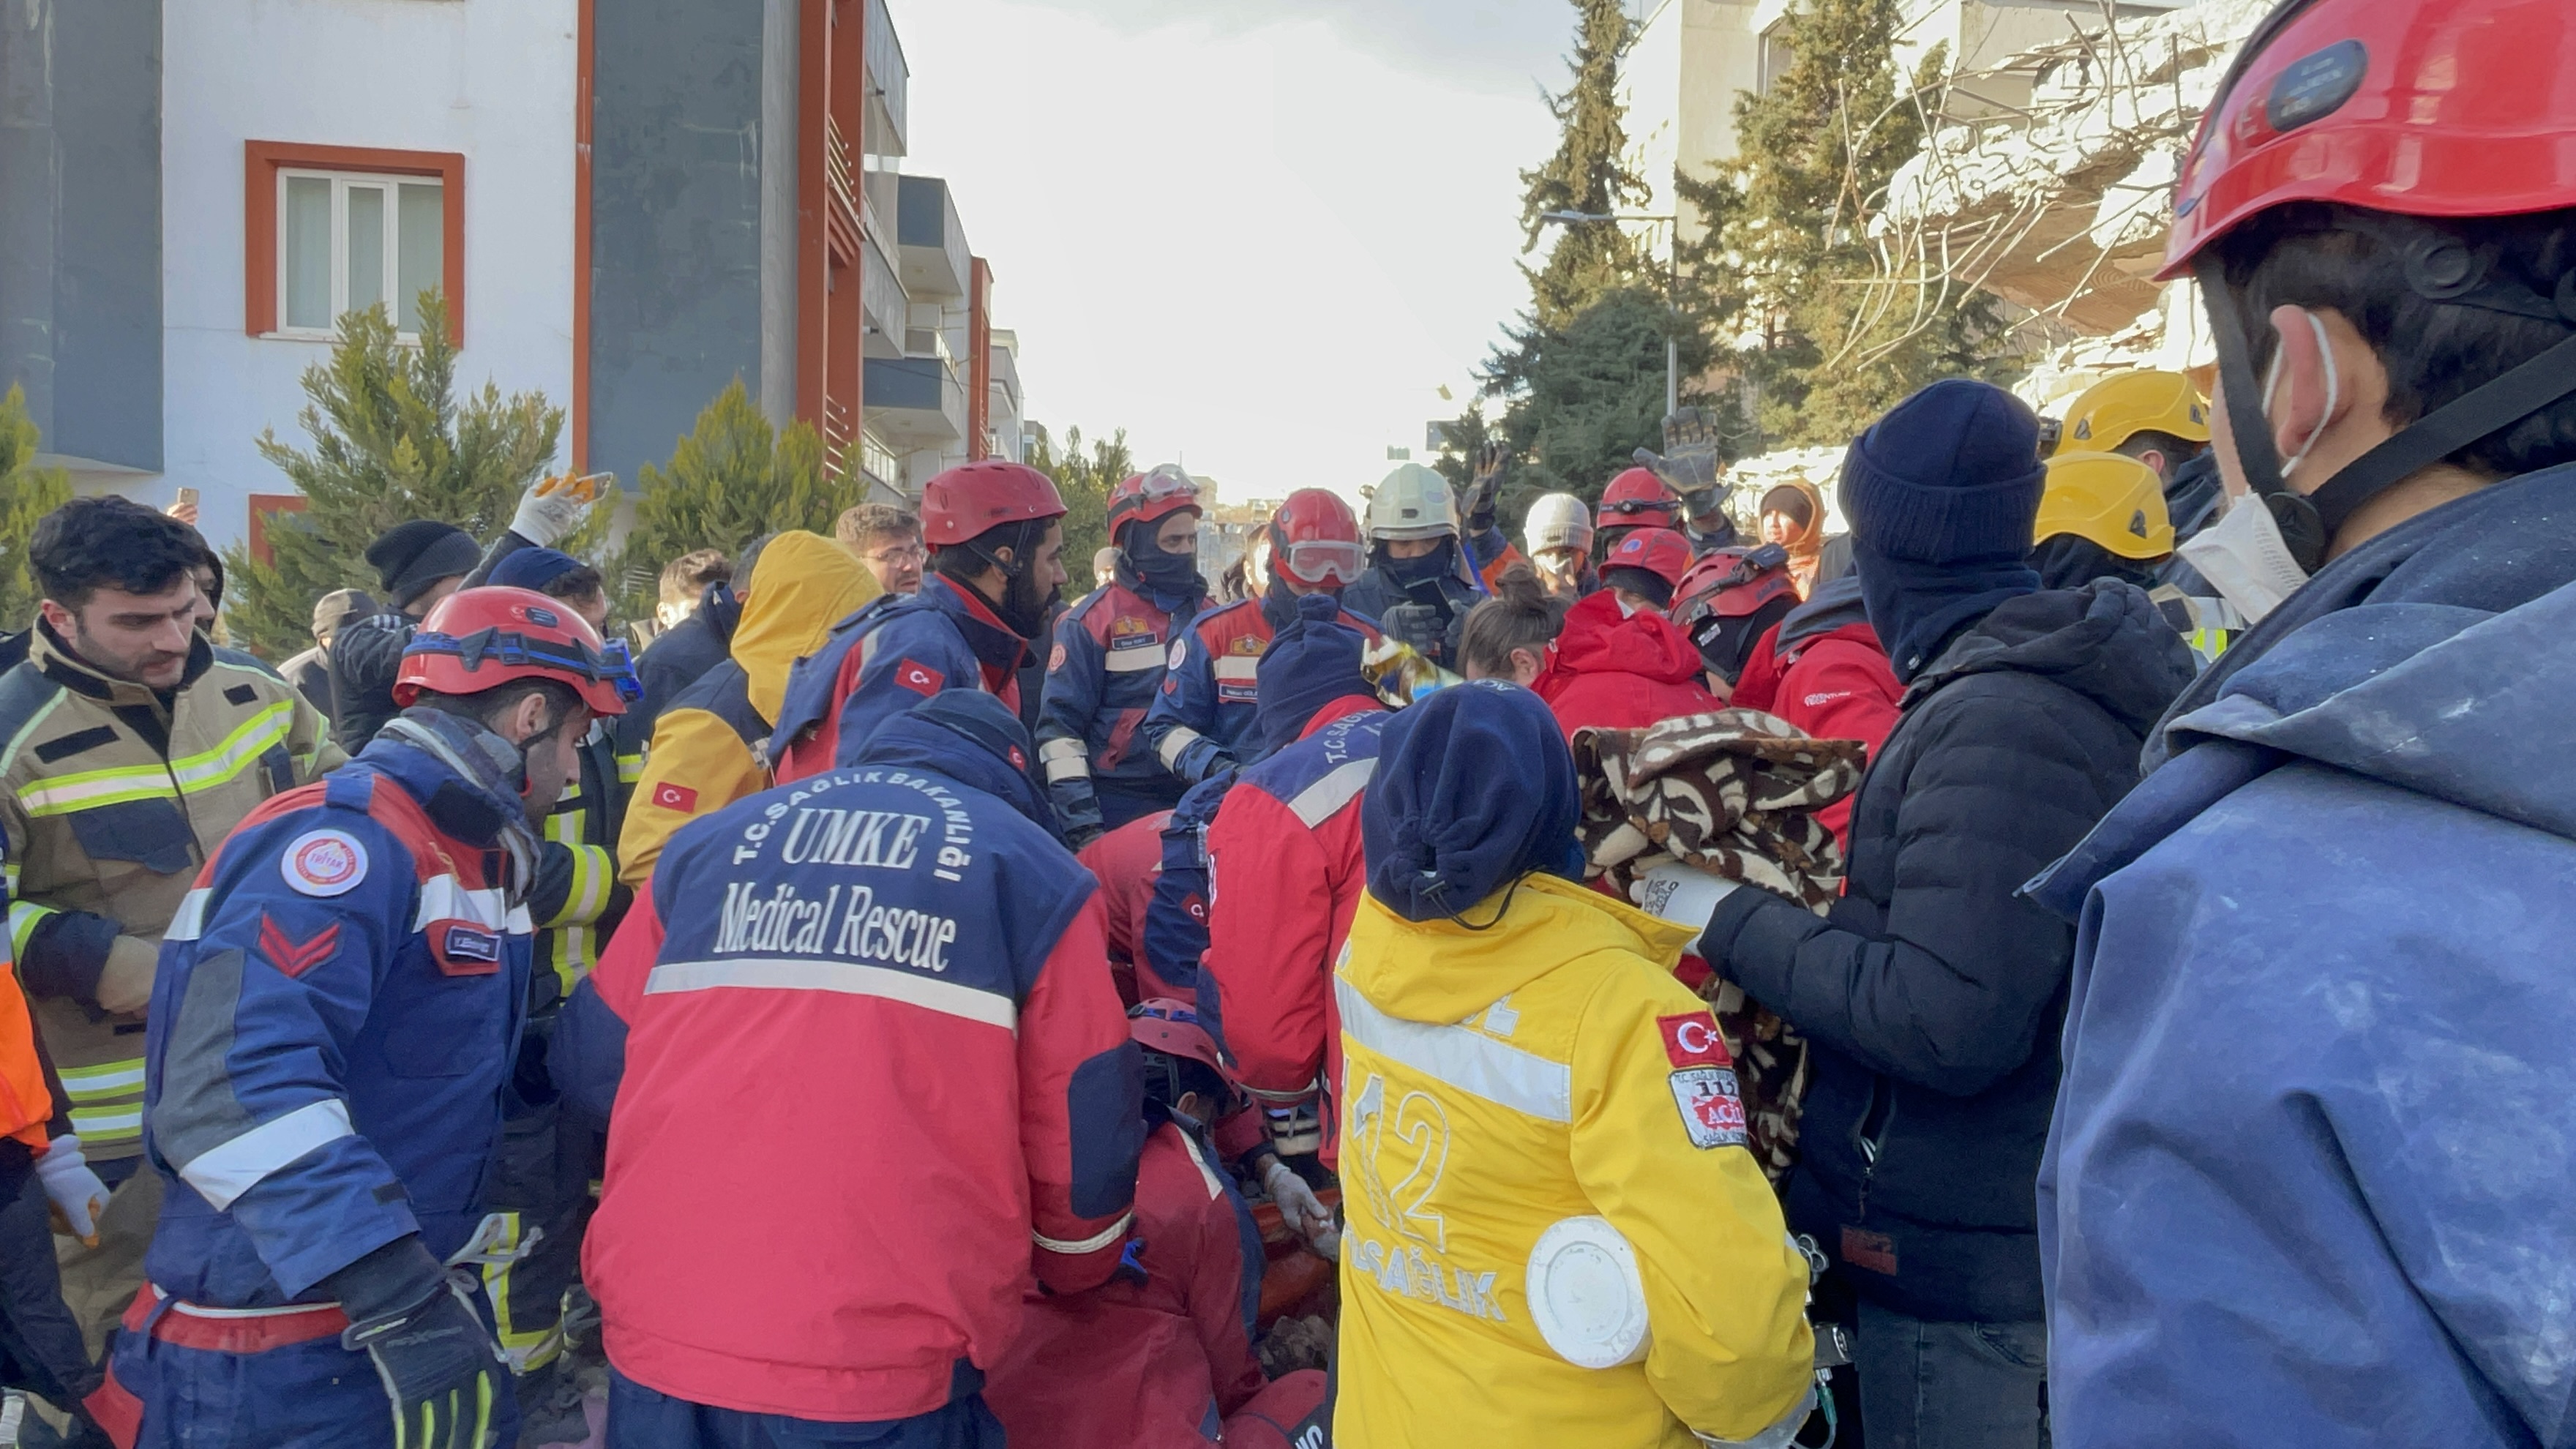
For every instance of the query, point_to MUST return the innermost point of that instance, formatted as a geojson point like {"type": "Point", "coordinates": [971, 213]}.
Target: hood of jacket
{"type": "Point", "coordinates": [801, 585]}
{"type": "Point", "coordinates": [1836, 604]}
{"type": "Point", "coordinates": [1440, 971]}
{"type": "Point", "coordinates": [1598, 640]}
{"type": "Point", "coordinates": [2106, 641]}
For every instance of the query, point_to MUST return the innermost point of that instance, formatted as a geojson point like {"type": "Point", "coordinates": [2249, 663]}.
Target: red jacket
{"type": "Point", "coordinates": [1145, 1366]}
{"type": "Point", "coordinates": [1835, 686]}
{"type": "Point", "coordinates": [1285, 879]}
{"type": "Point", "coordinates": [1613, 672]}
{"type": "Point", "coordinates": [1127, 861]}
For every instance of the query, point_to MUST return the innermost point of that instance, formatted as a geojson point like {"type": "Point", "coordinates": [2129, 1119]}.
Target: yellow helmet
{"type": "Point", "coordinates": [2110, 498]}
{"type": "Point", "coordinates": [2109, 412]}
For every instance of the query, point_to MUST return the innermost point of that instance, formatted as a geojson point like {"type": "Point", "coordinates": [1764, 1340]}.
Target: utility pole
{"type": "Point", "coordinates": [1672, 289]}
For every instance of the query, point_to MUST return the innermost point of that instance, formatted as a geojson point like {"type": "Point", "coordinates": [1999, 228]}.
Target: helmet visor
{"type": "Point", "coordinates": [1324, 561]}
{"type": "Point", "coordinates": [1629, 507]}
{"type": "Point", "coordinates": [1168, 482]}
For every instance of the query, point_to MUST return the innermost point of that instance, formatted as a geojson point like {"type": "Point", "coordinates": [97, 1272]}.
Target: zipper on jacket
{"type": "Point", "coordinates": [1870, 1133]}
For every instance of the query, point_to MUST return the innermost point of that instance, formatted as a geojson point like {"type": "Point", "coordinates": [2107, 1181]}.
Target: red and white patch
{"type": "Point", "coordinates": [1692, 1040]}
{"type": "Point", "coordinates": [1712, 1112]}
{"type": "Point", "coordinates": [675, 797]}
{"type": "Point", "coordinates": [324, 863]}
{"type": "Point", "coordinates": [1180, 654]}
{"type": "Point", "coordinates": [1055, 661]}
{"type": "Point", "coordinates": [918, 677]}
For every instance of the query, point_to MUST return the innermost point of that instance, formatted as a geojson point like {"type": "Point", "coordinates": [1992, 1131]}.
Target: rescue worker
{"type": "Point", "coordinates": [1128, 863]}
{"type": "Point", "coordinates": [1419, 585]}
{"type": "Point", "coordinates": [1618, 662]}
{"type": "Point", "coordinates": [1109, 657]}
{"type": "Point", "coordinates": [907, 937]}
{"type": "Point", "coordinates": [1792, 515]}
{"type": "Point", "coordinates": [1727, 602]}
{"type": "Point", "coordinates": [688, 646]}
{"type": "Point", "coordinates": [1558, 531]}
{"type": "Point", "coordinates": [1203, 721]}
{"type": "Point", "coordinates": [2102, 516]}
{"type": "Point", "coordinates": [1823, 670]}
{"type": "Point", "coordinates": [996, 536]}
{"type": "Point", "coordinates": [1555, 1232]}
{"type": "Point", "coordinates": [1691, 469]}
{"type": "Point", "coordinates": [335, 1024]}
{"type": "Point", "coordinates": [129, 746]}
{"type": "Point", "coordinates": [1174, 1332]}
{"type": "Point", "coordinates": [1284, 861]}
{"type": "Point", "coordinates": [1636, 499]}
{"type": "Point", "coordinates": [2154, 416]}
{"type": "Point", "coordinates": [709, 745]}
{"type": "Point", "coordinates": [2321, 997]}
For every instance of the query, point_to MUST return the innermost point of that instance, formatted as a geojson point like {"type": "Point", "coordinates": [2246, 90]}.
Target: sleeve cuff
{"type": "Point", "coordinates": [1721, 944]}
{"type": "Point", "coordinates": [65, 954]}
{"type": "Point", "coordinates": [392, 1277]}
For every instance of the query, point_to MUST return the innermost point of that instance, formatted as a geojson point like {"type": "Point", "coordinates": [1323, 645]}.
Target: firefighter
{"type": "Point", "coordinates": [335, 1021]}
{"type": "Point", "coordinates": [1202, 721]}
{"type": "Point", "coordinates": [1636, 499]}
{"type": "Point", "coordinates": [996, 536]}
{"type": "Point", "coordinates": [1109, 655]}
{"type": "Point", "coordinates": [1420, 583]}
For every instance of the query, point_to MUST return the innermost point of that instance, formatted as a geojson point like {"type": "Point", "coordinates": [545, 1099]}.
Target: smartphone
{"type": "Point", "coordinates": [187, 497]}
{"type": "Point", "coordinates": [582, 489]}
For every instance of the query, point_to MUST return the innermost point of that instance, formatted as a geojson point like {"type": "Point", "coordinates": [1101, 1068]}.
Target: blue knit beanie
{"type": "Point", "coordinates": [1309, 664]}
{"type": "Point", "coordinates": [1474, 789]}
{"type": "Point", "coordinates": [532, 568]}
{"type": "Point", "coordinates": [1950, 473]}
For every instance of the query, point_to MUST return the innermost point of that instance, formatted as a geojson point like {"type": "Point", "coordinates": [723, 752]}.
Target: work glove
{"type": "Point", "coordinates": [1131, 1263]}
{"type": "Point", "coordinates": [1299, 1208]}
{"type": "Point", "coordinates": [1419, 626]}
{"type": "Point", "coordinates": [1689, 464]}
{"type": "Point", "coordinates": [416, 1321]}
{"type": "Point", "coordinates": [1683, 895]}
{"type": "Point", "coordinates": [73, 1188]}
{"type": "Point", "coordinates": [1477, 504]}
{"type": "Point", "coordinates": [553, 507]}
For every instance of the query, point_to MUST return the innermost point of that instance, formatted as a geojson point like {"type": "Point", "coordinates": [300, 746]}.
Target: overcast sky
{"type": "Point", "coordinates": [1259, 244]}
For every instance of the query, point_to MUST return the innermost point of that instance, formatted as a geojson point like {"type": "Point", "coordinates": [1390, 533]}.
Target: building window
{"type": "Point", "coordinates": [1777, 57]}
{"type": "Point", "coordinates": [334, 229]}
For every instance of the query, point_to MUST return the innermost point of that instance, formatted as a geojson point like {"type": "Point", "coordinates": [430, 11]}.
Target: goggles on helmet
{"type": "Point", "coordinates": [1167, 481]}
{"type": "Point", "coordinates": [1179, 1015]}
{"type": "Point", "coordinates": [1639, 505]}
{"type": "Point", "coordinates": [610, 664]}
{"type": "Point", "coordinates": [1323, 561]}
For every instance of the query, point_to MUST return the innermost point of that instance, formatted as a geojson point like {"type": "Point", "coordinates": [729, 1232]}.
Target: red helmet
{"type": "Point", "coordinates": [2438, 108]}
{"type": "Point", "coordinates": [479, 639]}
{"type": "Point", "coordinates": [1659, 551]}
{"type": "Point", "coordinates": [1315, 539]}
{"type": "Point", "coordinates": [1153, 496]}
{"type": "Point", "coordinates": [1636, 499]}
{"type": "Point", "coordinates": [1160, 1024]}
{"type": "Point", "coordinates": [967, 501]}
{"type": "Point", "coordinates": [1732, 583]}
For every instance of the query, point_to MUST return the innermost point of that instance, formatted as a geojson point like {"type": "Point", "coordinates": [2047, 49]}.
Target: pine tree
{"type": "Point", "coordinates": [1085, 481]}
{"type": "Point", "coordinates": [1841, 340]}
{"type": "Point", "coordinates": [27, 494]}
{"type": "Point", "coordinates": [389, 443]}
{"type": "Point", "coordinates": [732, 479]}
{"type": "Point", "coordinates": [1583, 399]}
{"type": "Point", "coordinates": [1587, 175]}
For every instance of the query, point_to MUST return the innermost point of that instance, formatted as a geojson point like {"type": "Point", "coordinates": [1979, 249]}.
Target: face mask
{"type": "Point", "coordinates": [1422, 569]}
{"type": "Point", "coordinates": [2243, 557]}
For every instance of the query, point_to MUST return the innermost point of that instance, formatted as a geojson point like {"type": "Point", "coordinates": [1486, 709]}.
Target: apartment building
{"type": "Point", "coordinates": [627, 205]}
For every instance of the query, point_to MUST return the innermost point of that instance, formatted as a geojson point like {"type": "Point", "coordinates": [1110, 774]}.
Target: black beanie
{"type": "Point", "coordinates": [409, 557]}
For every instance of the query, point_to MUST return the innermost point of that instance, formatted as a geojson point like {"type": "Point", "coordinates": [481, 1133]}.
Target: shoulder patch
{"type": "Point", "coordinates": [1180, 654]}
{"type": "Point", "coordinates": [918, 677]}
{"type": "Point", "coordinates": [1712, 1112]}
{"type": "Point", "coordinates": [292, 957]}
{"type": "Point", "coordinates": [675, 797]}
{"type": "Point", "coordinates": [1055, 661]}
{"type": "Point", "coordinates": [324, 863]}
{"type": "Point", "coordinates": [1692, 1040]}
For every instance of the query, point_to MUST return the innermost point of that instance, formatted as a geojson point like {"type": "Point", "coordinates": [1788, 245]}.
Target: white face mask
{"type": "Point", "coordinates": [2243, 557]}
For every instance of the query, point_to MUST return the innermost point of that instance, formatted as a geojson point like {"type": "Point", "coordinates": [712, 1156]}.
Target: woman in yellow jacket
{"type": "Point", "coordinates": [1556, 1234]}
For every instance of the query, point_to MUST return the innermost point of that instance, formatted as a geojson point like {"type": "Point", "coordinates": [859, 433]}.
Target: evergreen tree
{"type": "Point", "coordinates": [1587, 175]}
{"type": "Point", "coordinates": [27, 494]}
{"type": "Point", "coordinates": [1584, 398]}
{"type": "Point", "coordinates": [1085, 480]}
{"type": "Point", "coordinates": [1841, 340]}
{"type": "Point", "coordinates": [389, 443]}
{"type": "Point", "coordinates": [733, 478]}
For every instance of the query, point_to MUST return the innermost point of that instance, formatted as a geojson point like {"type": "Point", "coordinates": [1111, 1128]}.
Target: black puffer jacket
{"type": "Point", "coordinates": [1933, 993]}
{"type": "Point", "coordinates": [680, 658]}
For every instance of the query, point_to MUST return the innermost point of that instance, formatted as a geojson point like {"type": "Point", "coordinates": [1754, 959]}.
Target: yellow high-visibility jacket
{"type": "Point", "coordinates": [1495, 1083]}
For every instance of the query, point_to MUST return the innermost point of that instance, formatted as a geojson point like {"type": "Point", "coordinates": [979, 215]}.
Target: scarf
{"type": "Point", "coordinates": [486, 764]}
{"type": "Point", "coordinates": [1171, 580]}
{"type": "Point", "coordinates": [1917, 607]}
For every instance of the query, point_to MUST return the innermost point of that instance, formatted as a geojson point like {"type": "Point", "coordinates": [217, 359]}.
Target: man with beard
{"type": "Point", "coordinates": [1417, 585]}
{"type": "Point", "coordinates": [996, 536]}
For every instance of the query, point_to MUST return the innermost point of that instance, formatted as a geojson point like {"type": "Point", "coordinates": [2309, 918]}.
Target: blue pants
{"type": "Point", "coordinates": [640, 1418]}
{"type": "Point", "coordinates": [311, 1395]}
{"type": "Point", "coordinates": [1932, 1385]}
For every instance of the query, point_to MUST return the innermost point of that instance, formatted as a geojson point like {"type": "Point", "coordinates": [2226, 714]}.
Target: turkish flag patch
{"type": "Point", "coordinates": [1692, 1040]}
{"type": "Point", "coordinates": [291, 956]}
{"type": "Point", "coordinates": [918, 677]}
{"type": "Point", "coordinates": [675, 797]}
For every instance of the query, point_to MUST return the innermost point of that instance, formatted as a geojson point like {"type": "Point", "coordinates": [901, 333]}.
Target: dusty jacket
{"type": "Point", "coordinates": [707, 746]}
{"type": "Point", "coordinates": [1499, 1082]}
{"type": "Point", "coordinates": [1620, 672]}
{"type": "Point", "coordinates": [112, 798]}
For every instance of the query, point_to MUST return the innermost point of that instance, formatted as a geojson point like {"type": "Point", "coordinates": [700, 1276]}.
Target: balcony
{"type": "Point", "coordinates": [930, 241]}
{"type": "Point", "coordinates": [882, 304]}
{"type": "Point", "coordinates": [889, 81]}
{"type": "Point", "coordinates": [915, 402]}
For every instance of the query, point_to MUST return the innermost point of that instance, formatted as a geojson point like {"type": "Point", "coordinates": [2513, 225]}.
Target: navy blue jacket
{"type": "Point", "coordinates": [887, 656]}
{"type": "Point", "coordinates": [1109, 659]}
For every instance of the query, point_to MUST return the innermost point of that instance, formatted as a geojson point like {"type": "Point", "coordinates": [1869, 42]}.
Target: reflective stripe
{"type": "Point", "coordinates": [189, 921]}
{"type": "Point", "coordinates": [221, 1174]}
{"type": "Point", "coordinates": [99, 1126]}
{"type": "Point", "coordinates": [1104, 1238]}
{"type": "Point", "coordinates": [1461, 1057]}
{"type": "Point", "coordinates": [593, 873]}
{"type": "Point", "coordinates": [1180, 739]}
{"type": "Point", "coordinates": [1134, 661]}
{"type": "Point", "coordinates": [24, 918]}
{"type": "Point", "coordinates": [847, 978]}
{"type": "Point", "coordinates": [186, 775]}
{"type": "Point", "coordinates": [444, 898]}
{"type": "Point", "coordinates": [630, 768]}
{"type": "Point", "coordinates": [1239, 668]}
{"type": "Point", "coordinates": [1324, 799]}
{"type": "Point", "coordinates": [1065, 760]}
{"type": "Point", "coordinates": [1060, 749]}
{"type": "Point", "coordinates": [110, 1079]}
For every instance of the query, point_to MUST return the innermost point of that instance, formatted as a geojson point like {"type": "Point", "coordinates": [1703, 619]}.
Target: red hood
{"type": "Point", "coordinates": [1596, 640]}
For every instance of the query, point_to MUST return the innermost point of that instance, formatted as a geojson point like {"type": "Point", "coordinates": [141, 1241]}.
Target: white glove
{"type": "Point", "coordinates": [547, 517]}
{"type": "Point", "coordinates": [72, 1187]}
{"type": "Point", "coordinates": [1303, 1212]}
{"type": "Point", "coordinates": [1682, 895]}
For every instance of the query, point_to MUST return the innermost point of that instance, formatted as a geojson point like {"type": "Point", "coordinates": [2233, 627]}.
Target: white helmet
{"type": "Point", "coordinates": [1412, 502]}
{"type": "Point", "coordinates": [1558, 520]}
